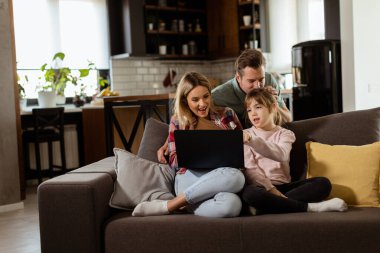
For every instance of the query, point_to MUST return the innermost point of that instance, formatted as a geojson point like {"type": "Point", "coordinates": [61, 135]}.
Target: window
{"type": "Point", "coordinates": [78, 28]}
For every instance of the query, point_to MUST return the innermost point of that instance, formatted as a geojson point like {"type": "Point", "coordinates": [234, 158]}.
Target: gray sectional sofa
{"type": "Point", "coordinates": [75, 216]}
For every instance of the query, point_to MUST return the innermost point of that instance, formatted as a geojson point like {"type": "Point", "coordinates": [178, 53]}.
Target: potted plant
{"type": "Point", "coordinates": [57, 77]}
{"type": "Point", "coordinates": [21, 90]}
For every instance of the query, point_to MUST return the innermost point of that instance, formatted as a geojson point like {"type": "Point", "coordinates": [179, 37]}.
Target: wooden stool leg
{"type": "Point", "coordinates": [38, 161]}
{"type": "Point", "coordinates": [63, 154]}
{"type": "Point", "coordinates": [50, 154]}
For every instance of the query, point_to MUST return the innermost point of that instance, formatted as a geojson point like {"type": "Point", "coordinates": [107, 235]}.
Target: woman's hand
{"type": "Point", "coordinates": [277, 192]}
{"type": "Point", "coordinates": [162, 152]}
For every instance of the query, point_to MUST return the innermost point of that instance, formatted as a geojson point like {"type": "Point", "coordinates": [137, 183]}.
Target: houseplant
{"type": "Point", "coordinates": [57, 76]}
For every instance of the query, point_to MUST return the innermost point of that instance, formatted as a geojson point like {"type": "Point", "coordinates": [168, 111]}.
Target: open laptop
{"type": "Point", "coordinates": [209, 149]}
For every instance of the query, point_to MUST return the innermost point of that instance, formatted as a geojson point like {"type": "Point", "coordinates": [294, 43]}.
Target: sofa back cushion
{"type": "Point", "coordinates": [349, 128]}
{"type": "Point", "coordinates": [155, 135]}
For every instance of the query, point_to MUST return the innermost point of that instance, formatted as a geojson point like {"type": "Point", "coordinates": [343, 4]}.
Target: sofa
{"type": "Point", "coordinates": [75, 216]}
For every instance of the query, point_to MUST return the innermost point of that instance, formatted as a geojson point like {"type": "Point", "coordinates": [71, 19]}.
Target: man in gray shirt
{"type": "Point", "coordinates": [250, 74]}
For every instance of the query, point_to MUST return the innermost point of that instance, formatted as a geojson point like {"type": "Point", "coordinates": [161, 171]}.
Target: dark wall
{"type": "Point", "coordinates": [332, 19]}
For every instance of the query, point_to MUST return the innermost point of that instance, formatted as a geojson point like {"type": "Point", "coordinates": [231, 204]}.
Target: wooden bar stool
{"type": "Point", "coordinates": [48, 128]}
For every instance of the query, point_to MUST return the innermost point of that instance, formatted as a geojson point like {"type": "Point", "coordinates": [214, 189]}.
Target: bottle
{"type": "Point", "coordinates": [185, 49]}
{"type": "Point", "coordinates": [181, 25]}
{"type": "Point", "coordinates": [198, 28]}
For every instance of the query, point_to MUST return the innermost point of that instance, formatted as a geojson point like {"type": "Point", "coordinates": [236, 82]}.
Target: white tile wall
{"type": "Point", "coordinates": [145, 76]}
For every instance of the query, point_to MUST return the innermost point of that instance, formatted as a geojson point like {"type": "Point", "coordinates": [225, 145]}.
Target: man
{"type": "Point", "coordinates": [250, 74]}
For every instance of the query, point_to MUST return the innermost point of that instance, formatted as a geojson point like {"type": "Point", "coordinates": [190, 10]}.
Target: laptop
{"type": "Point", "coordinates": [209, 149]}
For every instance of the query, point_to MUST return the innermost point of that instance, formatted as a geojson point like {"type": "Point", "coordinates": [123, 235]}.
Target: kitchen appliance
{"type": "Point", "coordinates": [316, 71]}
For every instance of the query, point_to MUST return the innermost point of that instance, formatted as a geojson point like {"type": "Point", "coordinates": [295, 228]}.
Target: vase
{"type": "Point", "coordinates": [60, 99]}
{"type": "Point", "coordinates": [46, 99]}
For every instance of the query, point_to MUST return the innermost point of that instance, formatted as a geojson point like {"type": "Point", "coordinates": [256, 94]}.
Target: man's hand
{"type": "Point", "coordinates": [277, 192]}
{"type": "Point", "coordinates": [162, 152]}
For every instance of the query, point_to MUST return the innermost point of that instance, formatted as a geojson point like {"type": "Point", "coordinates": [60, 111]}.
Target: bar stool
{"type": "Point", "coordinates": [48, 128]}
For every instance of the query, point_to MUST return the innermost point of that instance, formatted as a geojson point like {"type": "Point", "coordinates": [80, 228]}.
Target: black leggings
{"type": "Point", "coordinates": [298, 194]}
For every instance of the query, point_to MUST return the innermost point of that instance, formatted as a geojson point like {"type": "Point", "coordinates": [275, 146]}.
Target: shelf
{"type": "Point", "coordinates": [173, 8]}
{"type": "Point", "coordinates": [167, 32]}
{"type": "Point", "coordinates": [250, 27]}
{"type": "Point", "coordinates": [248, 2]}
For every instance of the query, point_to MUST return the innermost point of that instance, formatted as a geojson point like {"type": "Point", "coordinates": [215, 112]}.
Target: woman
{"type": "Point", "coordinates": [209, 193]}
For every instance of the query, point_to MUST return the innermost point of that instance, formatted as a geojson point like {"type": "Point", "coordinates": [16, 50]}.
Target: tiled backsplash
{"type": "Point", "coordinates": [145, 76]}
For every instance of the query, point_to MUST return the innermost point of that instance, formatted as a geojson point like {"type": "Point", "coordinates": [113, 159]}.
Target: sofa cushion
{"type": "Point", "coordinates": [139, 180]}
{"type": "Point", "coordinates": [155, 135]}
{"type": "Point", "coordinates": [349, 128]}
{"type": "Point", "coordinates": [352, 170]}
{"type": "Point", "coordinates": [356, 230]}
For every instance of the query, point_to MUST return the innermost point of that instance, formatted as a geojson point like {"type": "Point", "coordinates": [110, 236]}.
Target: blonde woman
{"type": "Point", "coordinates": [210, 193]}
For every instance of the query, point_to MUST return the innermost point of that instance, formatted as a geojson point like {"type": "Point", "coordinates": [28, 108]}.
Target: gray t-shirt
{"type": "Point", "coordinates": [231, 95]}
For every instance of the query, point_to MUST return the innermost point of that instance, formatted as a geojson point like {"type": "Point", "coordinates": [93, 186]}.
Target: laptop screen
{"type": "Point", "coordinates": [209, 149]}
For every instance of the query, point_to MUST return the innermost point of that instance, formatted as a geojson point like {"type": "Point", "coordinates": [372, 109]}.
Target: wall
{"type": "Point", "coordinates": [144, 76]}
{"type": "Point", "coordinates": [282, 32]}
{"type": "Point", "coordinates": [360, 53]}
{"type": "Point", "coordinates": [9, 167]}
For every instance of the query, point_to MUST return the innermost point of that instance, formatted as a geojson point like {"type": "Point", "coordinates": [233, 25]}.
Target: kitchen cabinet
{"type": "Point", "coordinates": [252, 24]}
{"type": "Point", "coordinates": [176, 29]}
{"type": "Point", "coordinates": [223, 35]}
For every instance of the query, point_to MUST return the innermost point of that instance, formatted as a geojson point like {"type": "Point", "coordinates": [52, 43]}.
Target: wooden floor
{"type": "Point", "coordinates": [19, 230]}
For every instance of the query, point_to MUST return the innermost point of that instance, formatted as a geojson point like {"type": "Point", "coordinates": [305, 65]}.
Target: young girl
{"type": "Point", "coordinates": [203, 192]}
{"type": "Point", "coordinates": [266, 154]}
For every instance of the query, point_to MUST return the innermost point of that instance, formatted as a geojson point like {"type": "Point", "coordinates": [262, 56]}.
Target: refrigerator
{"type": "Point", "coordinates": [317, 79]}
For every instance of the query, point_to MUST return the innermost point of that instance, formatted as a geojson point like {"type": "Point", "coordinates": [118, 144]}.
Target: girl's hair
{"type": "Point", "coordinates": [188, 82]}
{"type": "Point", "coordinates": [266, 98]}
{"type": "Point", "coordinates": [249, 58]}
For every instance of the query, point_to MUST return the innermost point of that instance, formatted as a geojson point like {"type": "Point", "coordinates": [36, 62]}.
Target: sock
{"type": "Point", "coordinates": [151, 208]}
{"type": "Point", "coordinates": [252, 210]}
{"type": "Point", "coordinates": [334, 204]}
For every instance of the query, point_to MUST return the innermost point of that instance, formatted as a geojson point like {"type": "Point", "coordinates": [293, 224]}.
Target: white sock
{"type": "Point", "coordinates": [335, 204]}
{"type": "Point", "coordinates": [252, 210]}
{"type": "Point", "coordinates": [151, 208]}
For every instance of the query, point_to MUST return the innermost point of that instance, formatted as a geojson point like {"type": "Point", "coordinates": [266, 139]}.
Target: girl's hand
{"type": "Point", "coordinates": [246, 137]}
{"type": "Point", "coordinates": [277, 192]}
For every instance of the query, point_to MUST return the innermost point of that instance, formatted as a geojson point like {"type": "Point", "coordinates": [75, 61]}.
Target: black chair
{"type": "Point", "coordinates": [48, 128]}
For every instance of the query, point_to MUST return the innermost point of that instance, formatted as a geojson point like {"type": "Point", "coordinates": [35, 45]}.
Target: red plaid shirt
{"type": "Point", "coordinates": [224, 117]}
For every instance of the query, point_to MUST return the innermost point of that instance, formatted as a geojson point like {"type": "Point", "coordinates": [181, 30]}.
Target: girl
{"type": "Point", "coordinates": [266, 154]}
{"type": "Point", "coordinates": [203, 192]}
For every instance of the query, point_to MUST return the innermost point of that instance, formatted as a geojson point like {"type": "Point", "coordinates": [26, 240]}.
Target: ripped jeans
{"type": "Point", "coordinates": [211, 193]}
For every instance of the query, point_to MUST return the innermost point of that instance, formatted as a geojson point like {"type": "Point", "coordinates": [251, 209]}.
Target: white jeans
{"type": "Point", "coordinates": [211, 193]}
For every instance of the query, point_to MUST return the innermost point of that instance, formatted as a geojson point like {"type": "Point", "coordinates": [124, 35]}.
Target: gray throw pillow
{"type": "Point", "coordinates": [155, 135]}
{"type": "Point", "coordinates": [139, 180]}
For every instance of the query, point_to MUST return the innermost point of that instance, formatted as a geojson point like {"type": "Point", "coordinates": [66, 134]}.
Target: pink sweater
{"type": "Point", "coordinates": [267, 155]}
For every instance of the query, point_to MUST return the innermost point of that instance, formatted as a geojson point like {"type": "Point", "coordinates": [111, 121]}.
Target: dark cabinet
{"type": "Point", "coordinates": [126, 22]}
{"type": "Point", "coordinates": [223, 36]}
{"type": "Point", "coordinates": [252, 24]}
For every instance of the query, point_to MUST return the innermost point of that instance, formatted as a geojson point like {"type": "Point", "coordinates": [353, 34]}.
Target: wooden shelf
{"type": "Point", "coordinates": [167, 32]}
{"type": "Point", "coordinates": [249, 27]}
{"type": "Point", "coordinates": [173, 8]}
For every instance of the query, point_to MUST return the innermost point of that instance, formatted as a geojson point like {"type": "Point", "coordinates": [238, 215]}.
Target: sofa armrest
{"type": "Point", "coordinates": [72, 210]}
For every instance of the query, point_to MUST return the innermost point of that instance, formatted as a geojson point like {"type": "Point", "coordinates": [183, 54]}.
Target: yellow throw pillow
{"type": "Point", "coordinates": [352, 170]}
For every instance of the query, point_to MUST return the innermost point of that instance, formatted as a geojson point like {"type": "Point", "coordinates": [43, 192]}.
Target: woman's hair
{"type": "Point", "coordinates": [266, 98]}
{"type": "Point", "coordinates": [188, 82]}
{"type": "Point", "coordinates": [249, 58]}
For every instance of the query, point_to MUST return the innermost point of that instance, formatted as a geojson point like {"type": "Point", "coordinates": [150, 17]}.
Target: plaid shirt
{"type": "Point", "coordinates": [224, 117]}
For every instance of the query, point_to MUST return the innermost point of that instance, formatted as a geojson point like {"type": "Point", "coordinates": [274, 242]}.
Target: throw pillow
{"type": "Point", "coordinates": [352, 170]}
{"type": "Point", "coordinates": [139, 180]}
